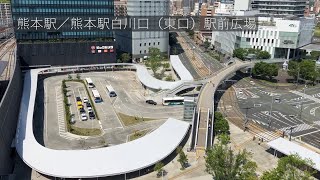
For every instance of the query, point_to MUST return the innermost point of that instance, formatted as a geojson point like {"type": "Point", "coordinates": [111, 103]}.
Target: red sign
{"type": "Point", "coordinates": [106, 50]}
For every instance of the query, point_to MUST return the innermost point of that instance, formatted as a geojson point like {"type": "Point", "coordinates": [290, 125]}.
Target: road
{"type": "Point", "coordinates": [299, 109]}
{"type": "Point", "coordinates": [206, 98]}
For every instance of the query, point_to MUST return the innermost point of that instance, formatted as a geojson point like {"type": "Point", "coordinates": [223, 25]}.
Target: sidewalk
{"type": "Point", "coordinates": [244, 140]}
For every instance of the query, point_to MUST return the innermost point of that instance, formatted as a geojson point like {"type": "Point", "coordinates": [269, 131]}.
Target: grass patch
{"type": "Point", "coordinates": [317, 31]}
{"type": "Point", "coordinates": [138, 134]}
{"type": "Point", "coordinates": [131, 120]}
{"type": "Point", "coordinates": [85, 131]}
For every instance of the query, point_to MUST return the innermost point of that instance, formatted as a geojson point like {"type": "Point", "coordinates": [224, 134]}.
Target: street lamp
{"type": "Point", "coordinates": [290, 128]}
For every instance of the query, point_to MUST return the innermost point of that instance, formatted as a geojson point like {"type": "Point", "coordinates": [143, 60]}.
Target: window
{"type": "Point", "coordinates": [140, 52]}
{"type": "Point", "coordinates": [248, 39]}
{"type": "Point", "coordinates": [145, 44]}
{"type": "Point", "coordinates": [158, 43]}
{"type": "Point", "coordinates": [140, 44]}
{"type": "Point", "coordinates": [268, 40]}
{"type": "Point", "coordinates": [257, 40]}
{"type": "Point", "coordinates": [264, 40]}
{"type": "Point", "coordinates": [272, 41]}
{"type": "Point", "coordinates": [145, 51]}
{"type": "Point", "coordinates": [149, 44]}
{"type": "Point", "coordinates": [154, 43]}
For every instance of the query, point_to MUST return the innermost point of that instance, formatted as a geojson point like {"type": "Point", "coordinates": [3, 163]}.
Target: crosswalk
{"type": "Point", "coordinates": [296, 128]}
{"type": "Point", "coordinates": [243, 93]}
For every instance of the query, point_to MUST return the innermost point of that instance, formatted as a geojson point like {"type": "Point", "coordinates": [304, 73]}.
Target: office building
{"type": "Point", "coordinates": [207, 10]}
{"type": "Point", "coordinates": [282, 7]}
{"type": "Point", "coordinates": [138, 42]}
{"type": "Point", "coordinates": [120, 7]}
{"type": "Point", "coordinates": [242, 5]}
{"type": "Point", "coordinates": [223, 8]}
{"type": "Point", "coordinates": [44, 39]}
{"type": "Point", "coordinates": [5, 15]}
{"type": "Point", "coordinates": [281, 37]}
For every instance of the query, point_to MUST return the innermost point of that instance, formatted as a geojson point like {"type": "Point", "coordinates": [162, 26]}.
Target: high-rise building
{"type": "Point", "coordinates": [137, 42]}
{"type": "Point", "coordinates": [283, 7]}
{"type": "Point", "coordinates": [5, 14]}
{"type": "Point", "coordinates": [61, 32]}
{"type": "Point", "coordinates": [120, 7]}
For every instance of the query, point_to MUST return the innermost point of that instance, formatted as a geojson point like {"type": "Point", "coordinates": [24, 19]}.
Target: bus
{"type": "Point", "coordinates": [90, 83]}
{"type": "Point", "coordinates": [96, 96]}
{"type": "Point", "coordinates": [167, 101]}
{"type": "Point", "coordinates": [112, 92]}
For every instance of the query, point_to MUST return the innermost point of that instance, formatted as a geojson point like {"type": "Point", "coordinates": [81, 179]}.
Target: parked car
{"type": "Point", "coordinates": [82, 110]}
{"type": "Point", "coordinates": [90, 109]}
{"type": "Point", "coordinates": [84, 117]}
{"type": "Point", "coordinates": [151, 102]}
{"type": "Point", "coordinates": [78, 99]}
{"type": "Point", "coordinates": [252, 83]}
{"type": "Point", "coordinates": [80, 107]}
{"type": "Point", "coordinates": [72, 120]}
{"type": "Point", "coordinates": [240, 92]}
{"type": "Point", "coordinates": [92, 115]}
{"type": "Point", "coordinates": [85, 100]}
{"type": "Point", "coordinates": [88, 104]}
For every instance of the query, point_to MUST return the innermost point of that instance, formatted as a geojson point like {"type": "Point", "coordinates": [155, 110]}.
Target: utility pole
{"type": "Point", "coordinates": [291, 128]}
{"type": "Point", "coordinates": [270, 112]}
{"type": "Point", "coordinates": [246, 117]}
{"type": "Point", "coordinates": [301, 104]}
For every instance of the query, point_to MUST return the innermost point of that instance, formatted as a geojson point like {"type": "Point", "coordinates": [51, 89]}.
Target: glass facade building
{"type": "Point", "coordinates": [59, 11]}
{"type": "Point", "coordinates": [63, 32]}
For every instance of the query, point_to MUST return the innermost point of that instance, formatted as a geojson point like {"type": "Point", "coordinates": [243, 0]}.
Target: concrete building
{"type": "Point", "coordinates": [283, 7]}
{"type": "Point", "coordinates": [42, 42]}
{"type": "Point", "coordinates": [120, 7]}
{"type": "Point", "coordinates": [222, 8]}
{"type": "Point", "coordinates": [281, 37]}
{"type": "Point", "coordinates": [207, 10]}
{"type": "Point", "coordinates": [138, 43]}
{"type": "Point", "coordinates": [242, 5]}
{"type": "Point", "coordinates": [5, 15]}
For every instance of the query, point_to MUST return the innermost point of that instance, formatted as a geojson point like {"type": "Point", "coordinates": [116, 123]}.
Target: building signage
{"type": "Point", "coordinates": [104, 47]}
{"type": "Point", "coordinates": [101, 49]}
{"type": "Point", "coordinates": [288, 42]}
{"type": "Point", "coordinates": [292, 25]}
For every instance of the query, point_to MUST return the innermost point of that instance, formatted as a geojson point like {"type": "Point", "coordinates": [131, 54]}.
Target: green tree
{"type": "Point", "coordinates": [154, 60]}
{"type": "Point", "coordinates": [223, 164]}
{"type": "Point", "coordinates": [221, 125]}
{"type": "Point", "coordinates": [263, 55]}
{"type": "Point", "coordinates": [293, 69]}
{"type": "Point", "coordinates": [78, 76]}
{"type": "Point", "coordinates": [265, 70]}
{"type": "Point", "coordinates": [240, 53]}
{"type": "Point", "coordinates": [183, 159]}
{"type": "Point", "coordinates": [290, 168]}
{"type": "Point", "coordinates": [315, 55]}
{"type": "Point", "coordinates": [224, 138]}
{"type": "Point", "coordinates": [69, 77]}
{"type": "Point", "coordinates": [206, 45]}
{"type": "Point", "coordinates": [308, 70]}
{"type": "Point", "coordinates": [190, 32]}
{"type": "Point", "coordinates": [158, 168]}
{"type": "Point", "coordinates": [125, 57]}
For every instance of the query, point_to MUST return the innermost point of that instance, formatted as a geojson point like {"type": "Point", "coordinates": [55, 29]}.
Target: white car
{"type": "Point", "coordinates": [240, 92]}
{"type": "Point", "coordinates": [252, 83]}
{"type": "Point", "coordinates": [90, 109]}
{"type": "Point", "coordinates": [84, 117]}
{"type": "Point", "coordinates": [85, 100]}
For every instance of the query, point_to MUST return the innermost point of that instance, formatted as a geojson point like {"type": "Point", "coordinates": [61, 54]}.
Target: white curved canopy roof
{"type": "Point", "coordinates": [180, 69]}
{"type": "Point", "coordinates": [108, 161]}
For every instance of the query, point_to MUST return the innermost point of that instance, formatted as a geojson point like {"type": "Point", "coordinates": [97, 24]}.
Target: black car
{"type": "Point", "coordinates": [91, 115]}
{"type": "Point", "coordinates": [82, 110]}
{"type": "Point", "coordinates": [88, 104]}
{"type": "Point", "coordinates": [151, 102]}
{"type": "Point", "coordinates": [78, 98]}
